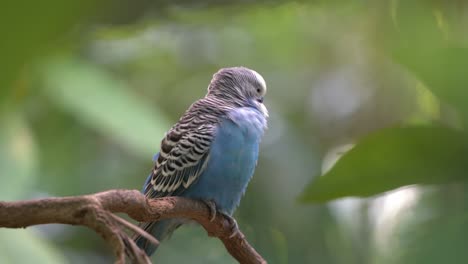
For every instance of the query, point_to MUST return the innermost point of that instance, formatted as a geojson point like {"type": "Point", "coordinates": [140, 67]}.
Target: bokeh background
{"type": "Point", "coordinates": [88, 89]}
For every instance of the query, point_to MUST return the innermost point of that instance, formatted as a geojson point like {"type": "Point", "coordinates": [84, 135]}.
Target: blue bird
{"type": "Point", "coordinates": [211, 153]}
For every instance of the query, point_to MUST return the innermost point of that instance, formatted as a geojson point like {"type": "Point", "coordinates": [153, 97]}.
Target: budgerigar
{"type": "Point", "coordinates": [211, 152]}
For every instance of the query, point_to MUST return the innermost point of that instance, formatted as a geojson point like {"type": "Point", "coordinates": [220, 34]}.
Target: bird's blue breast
{"type": "Point", "coordinates": [232, 159]}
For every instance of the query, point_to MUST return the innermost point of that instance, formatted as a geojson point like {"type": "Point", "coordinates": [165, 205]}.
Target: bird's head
{"type": "Point", "coordinates": [241, 86]}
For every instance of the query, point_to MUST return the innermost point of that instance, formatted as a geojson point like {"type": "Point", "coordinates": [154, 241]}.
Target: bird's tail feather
{"type": "Point", "coordinates": [160, 230]}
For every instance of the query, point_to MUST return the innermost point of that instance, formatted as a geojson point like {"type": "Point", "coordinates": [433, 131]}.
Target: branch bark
{"type": "Point", "coordinates": [96, 211]}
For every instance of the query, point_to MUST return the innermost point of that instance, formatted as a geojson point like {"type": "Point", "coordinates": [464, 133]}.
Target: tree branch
{"type": "Point", "coordinates": [96, 212]}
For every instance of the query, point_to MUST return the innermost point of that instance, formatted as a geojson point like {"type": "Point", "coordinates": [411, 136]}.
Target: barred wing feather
{"type": "Point", "coordinates": [182, 159]}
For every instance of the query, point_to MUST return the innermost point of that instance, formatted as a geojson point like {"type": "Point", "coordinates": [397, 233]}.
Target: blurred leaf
{"type": "Point", "coordinates": [442, 70]}
{"type": "Point", "coordinates": [28, 28]}
{"type": "Point", "coordinates": [428, 106]}
{"type": "Point", "coordinates": [103, 103]}
{"type": "Point", "coordinates": [419, 39]}
{"type": "Point", "coordinates": [18, 159]}
{"type": "Point", "coordinates": [393, 158]}
{"type": "Point", "coordinates": [24, 246]}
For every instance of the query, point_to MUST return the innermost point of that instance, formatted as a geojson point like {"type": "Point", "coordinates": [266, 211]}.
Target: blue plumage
{"type": "Point", "coordinates": [211, 153]}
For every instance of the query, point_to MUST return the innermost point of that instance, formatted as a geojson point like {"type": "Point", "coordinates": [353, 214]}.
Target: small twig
{"type": "Point", "coordinates": [95, 211]}
{"type": "Point", "coordinates": [135, 229]}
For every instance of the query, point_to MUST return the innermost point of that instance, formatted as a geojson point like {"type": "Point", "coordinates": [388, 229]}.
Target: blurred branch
{"type": "Point", "coordinates": [96, 212]}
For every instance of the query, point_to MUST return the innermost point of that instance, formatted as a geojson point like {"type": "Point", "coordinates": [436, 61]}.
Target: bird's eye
{"type": "Point", "coordinates": [258, 90]}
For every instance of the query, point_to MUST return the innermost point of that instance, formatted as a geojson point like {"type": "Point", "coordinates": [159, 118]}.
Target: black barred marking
{"type": "Point", "coordinates": [185, 145]}
{"type": "Point", "coordinates": [169, 168]}
{"type": "Point", "coordinates": [165, 148]}
{"type": "Point", "coordinates": [198, 151]}
{"type": "Point", "coordinates": [176, 154]}
{"type": "Point", "coordinates": [189, 159]}
{"type": "Point", "coordinates": [174, 136]}
{"type": "Point", "coordinates": [178, 162]}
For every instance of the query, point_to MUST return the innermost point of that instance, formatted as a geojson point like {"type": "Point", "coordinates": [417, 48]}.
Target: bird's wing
{"type": "Point", "coordinates": [183, 157]}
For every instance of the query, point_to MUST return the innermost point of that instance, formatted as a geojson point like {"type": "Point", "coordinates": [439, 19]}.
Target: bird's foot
{"type": "Point", "coordinates": [234, 226]}
{"type": "Point", "coordinates": [212, 207]}
{"type": "Point", "coordinates": [214, 211]}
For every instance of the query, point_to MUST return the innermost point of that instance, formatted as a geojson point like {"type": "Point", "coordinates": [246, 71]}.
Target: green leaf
{"type": "Point", "coordinates": [100, 101]}
{"type": "Point", "coordinates": [393, 158]}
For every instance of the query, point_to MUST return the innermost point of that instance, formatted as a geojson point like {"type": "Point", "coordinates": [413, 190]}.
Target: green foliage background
{"type": "Point", "coordinates": [87, 91]}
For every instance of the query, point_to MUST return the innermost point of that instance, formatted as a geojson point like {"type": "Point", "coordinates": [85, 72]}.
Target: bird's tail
{"type": "Point", "coordinates": [160, 230]}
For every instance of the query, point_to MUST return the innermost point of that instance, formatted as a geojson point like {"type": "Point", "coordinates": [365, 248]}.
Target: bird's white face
{"type": "Point", "coordinates": [262, 89]}
{"type": "Point", "coordinates": [259, 92]}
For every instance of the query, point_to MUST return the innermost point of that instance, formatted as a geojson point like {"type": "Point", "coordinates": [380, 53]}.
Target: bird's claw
{"type": "Point", "coordinates": [212, 207]}
{"type": "Point", "coordinates": [234, 226]}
